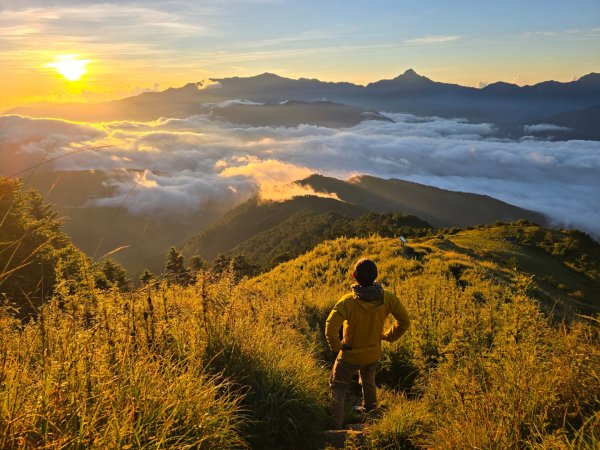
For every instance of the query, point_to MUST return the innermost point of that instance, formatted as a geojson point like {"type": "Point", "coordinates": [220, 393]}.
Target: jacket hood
{"type": "Point", "coordinates": [368, 296]}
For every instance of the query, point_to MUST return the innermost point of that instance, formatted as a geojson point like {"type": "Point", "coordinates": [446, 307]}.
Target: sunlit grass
{"type": "Point", "coordinates": [226, 365]}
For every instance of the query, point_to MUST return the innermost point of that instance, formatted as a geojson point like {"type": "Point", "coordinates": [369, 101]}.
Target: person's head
{"type": "Point", "coordinates": [365, 272]}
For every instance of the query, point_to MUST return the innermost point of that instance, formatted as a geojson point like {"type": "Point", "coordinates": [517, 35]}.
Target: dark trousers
{"type": "Point", "coordinates": [341, 375]}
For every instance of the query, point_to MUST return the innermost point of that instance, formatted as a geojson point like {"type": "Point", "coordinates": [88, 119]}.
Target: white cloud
{"type": "Point", "coordinates": [208, 84]}
{"type": "Point", "coordinates": [175, 194]}
{"type": "Point", "coordinates": [433, 39]}
{"type": "Point", "coordinates": [188, 163]}
{"type": "Point", "coordinates": [543, 127]}
{"type": "Point", "coordinates": [275, 178]}
{"type": "Point", "coordinates": [228, 103]}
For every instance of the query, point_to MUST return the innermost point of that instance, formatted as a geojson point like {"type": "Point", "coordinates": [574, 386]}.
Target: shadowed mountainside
{"type": "Point", "coordinates": [294, 113]}
{"type": "Point", "coordinates": [305, 229]}
{"type": "Point", "coordinates": [143, 239]}
{"type": "Point", "coordinates": [255, 217]}
{"type": "Point", "coordinates": [271, 232]}
{"type": "Point", "coordinates": [439, 207]}
{"type": "Point", "coordinates": [280, 231]}
{"type": "Point", "coordinates": [579, 124]}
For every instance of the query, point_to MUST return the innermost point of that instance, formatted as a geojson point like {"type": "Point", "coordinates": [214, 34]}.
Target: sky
{"type": "Point", "coordinates": [131, 47]}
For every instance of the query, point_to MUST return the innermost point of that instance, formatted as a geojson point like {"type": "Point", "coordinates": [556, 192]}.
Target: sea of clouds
{"type": "Point", "coordinates": [182, 164]}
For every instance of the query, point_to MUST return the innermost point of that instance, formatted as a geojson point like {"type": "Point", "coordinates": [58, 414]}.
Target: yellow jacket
{"type": "Point", "coordinates": [363, 322]}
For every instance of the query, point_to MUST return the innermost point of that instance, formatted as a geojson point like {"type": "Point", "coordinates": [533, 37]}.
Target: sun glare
{"type": "Point", "coordinates": [70, 67]}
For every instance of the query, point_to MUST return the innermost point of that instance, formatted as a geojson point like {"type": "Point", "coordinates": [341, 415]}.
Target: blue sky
{"type": "Point", "coordinates": [134, 46]}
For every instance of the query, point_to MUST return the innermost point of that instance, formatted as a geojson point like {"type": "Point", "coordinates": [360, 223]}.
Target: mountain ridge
{"type": "Point", "coordinates": [440, 207]}
{"type": "Point", "coordinates": [408, 92]}
{"type": "Point", "coordinates": [281, 230]}
{"type": "Point", "coordinates": [549, 258]}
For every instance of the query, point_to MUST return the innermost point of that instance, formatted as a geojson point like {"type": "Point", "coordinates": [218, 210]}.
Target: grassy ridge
{"type": "Point", "coordinates": [225, 365]}
{"type": "Point", "coordinates": [481, 366]}
{"type": "Point", "coordinates": [565, 263]}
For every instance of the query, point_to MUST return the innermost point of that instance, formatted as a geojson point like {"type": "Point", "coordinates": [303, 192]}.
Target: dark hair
{"type": "Point", "coordinates": [365, 272]}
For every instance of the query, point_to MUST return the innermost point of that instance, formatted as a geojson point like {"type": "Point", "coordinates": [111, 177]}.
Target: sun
{"type": "Point", "coordinates": [70, 67]}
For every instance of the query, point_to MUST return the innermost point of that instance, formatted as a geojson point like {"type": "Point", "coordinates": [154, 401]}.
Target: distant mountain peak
{"type": "Point", "coordinates": [409, 92]}
{"type": "Point", "coordinates": [270, 75]}
{"type": "Point", "coordinates": [502, 83]}
{"type": "Point", "coordinates": [266, 77]}
{"type": "Point", "coordinates": [410, 75]}
{"type": "Point", "coordinates": [591, 77]}
{"type": "Point", "coordinates": [502, 87]}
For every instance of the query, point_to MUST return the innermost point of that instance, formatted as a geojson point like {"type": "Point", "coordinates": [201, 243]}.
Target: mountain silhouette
{"type": "Point", "coordinates": [501, 103]}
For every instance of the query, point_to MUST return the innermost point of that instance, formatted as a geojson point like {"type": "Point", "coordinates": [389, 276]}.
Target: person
{"type": "Point", "coordinates": [362, 313]}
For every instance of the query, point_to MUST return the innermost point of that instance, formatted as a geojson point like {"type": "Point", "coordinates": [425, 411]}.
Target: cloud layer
{"type": "Point", "coordinates": [183, 164]}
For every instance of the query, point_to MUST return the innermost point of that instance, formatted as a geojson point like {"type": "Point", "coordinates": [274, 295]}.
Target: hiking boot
{"type": "Point", "coordinates": [359, 410]}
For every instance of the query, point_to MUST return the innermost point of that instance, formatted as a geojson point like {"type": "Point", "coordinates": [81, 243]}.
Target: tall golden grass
{"type": "Point", "coordinates": [481, 366]}
{"type": "Point", "coordinates": [222, 364]}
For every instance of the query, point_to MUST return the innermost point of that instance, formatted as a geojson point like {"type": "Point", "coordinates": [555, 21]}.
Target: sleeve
{"type": "Point", "coordinates": [332, 326]}
{"type": "Point", "coordinates": [401, 323]}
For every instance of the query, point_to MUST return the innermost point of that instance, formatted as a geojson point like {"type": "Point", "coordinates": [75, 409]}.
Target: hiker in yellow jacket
{"type": "Point", "coordinates": [362, 313]}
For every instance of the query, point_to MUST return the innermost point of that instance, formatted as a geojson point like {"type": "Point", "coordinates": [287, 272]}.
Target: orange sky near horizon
{"type": "Point", "coordinates": [104, 82]}
{"type": "Point", "coordinates": [148, 45]}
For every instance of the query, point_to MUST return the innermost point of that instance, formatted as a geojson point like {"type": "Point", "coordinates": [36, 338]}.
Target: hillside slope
{"type": "Point", "coordinates": [480, 362]}
{"type": "Point", "coordinates": [254, 217]}
{"type": "Point", "coordinates": [305, 229]}
{"type": "Point", "coordinates": [226, 365]}
{"type": "Point", "coordinates": [271, 232]}
{"type": "Point", "coordinates": [439, 207]}
{"type": "Point", "coordinates": [563, 267]}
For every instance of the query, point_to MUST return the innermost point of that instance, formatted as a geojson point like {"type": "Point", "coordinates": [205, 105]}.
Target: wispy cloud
{"type": "Point", "coordinates": [110, 30]}
{"type": "Point", "coordinates": [571, 33]}
{"type": "Point", "coordinates": [320, 35]}
{"type": "Point", "coordinates": [543, 127]}
{"type": "Point", "coordinates": [433, 39]}
{"type": "Point", "coordinates": [275, 178]}
{"type": "Point", "coordinates": [144, 37]}
{"type": "Point", "coordinates": [540, 33]}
